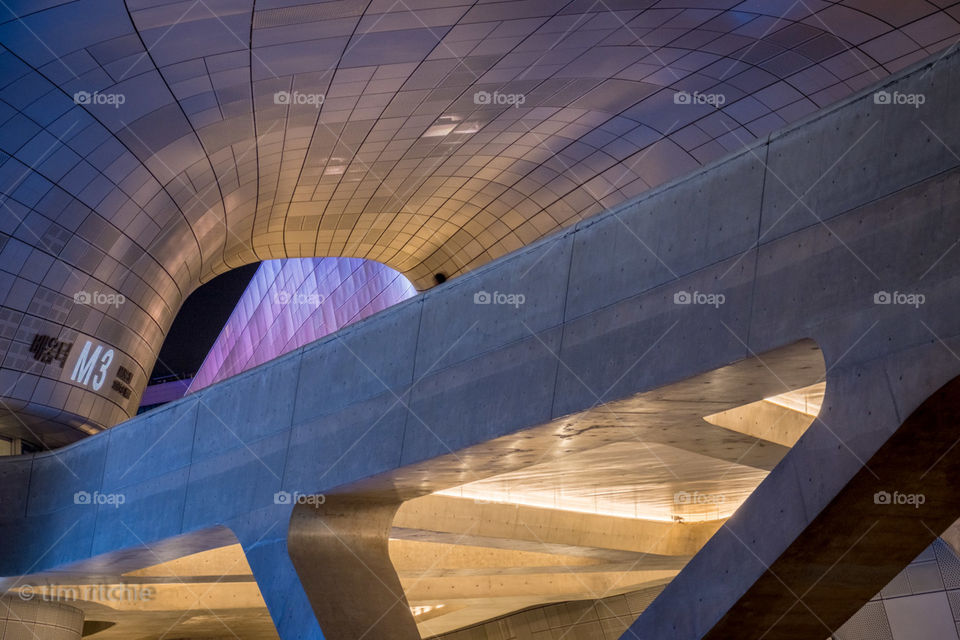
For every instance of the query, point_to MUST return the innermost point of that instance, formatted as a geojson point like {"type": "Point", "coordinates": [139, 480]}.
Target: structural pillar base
{"type": "Point", "coordinates": [340, 550]}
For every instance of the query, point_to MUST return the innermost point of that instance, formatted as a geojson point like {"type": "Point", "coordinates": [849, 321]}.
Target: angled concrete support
{"type": "Point", "coordinates": [784, 573]}
{"type": "Point", "coordinates": [266, 550]}
{"type": "Point", "coordinates": [339, 546]}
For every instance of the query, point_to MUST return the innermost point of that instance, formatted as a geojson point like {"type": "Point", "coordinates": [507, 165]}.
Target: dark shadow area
{"type": "Point", "coordinates": [91, 627]}
{"type": "Point", "coordinates": [198, 324]}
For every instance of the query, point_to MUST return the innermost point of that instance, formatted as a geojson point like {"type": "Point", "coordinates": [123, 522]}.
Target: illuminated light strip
{"type": "Point", "coordinates": [439, 130]}
{"type": "Point", "coordinates": [425, 608]}
{"type": "Point", "coordinates": [807, 400]}
{"type": "Point", "coordinates": [481, 497]}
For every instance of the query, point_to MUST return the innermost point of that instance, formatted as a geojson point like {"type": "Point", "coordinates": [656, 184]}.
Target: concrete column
{"type": "Point", "coordinates": [39, 620]}
{"type": "Point", "coordinates": [264, 541]}
{"type": "Point", "coordinates": [341, 553]}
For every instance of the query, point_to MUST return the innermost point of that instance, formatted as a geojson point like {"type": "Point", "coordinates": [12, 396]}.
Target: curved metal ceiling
{"type": "Point", "coordinates": [151, 144]}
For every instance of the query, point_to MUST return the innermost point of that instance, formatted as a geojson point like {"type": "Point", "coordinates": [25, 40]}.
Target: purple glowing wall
{"type": "Point", "coordinates": [295, 301]}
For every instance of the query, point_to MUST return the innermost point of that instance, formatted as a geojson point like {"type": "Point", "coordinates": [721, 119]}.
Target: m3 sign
{"type": "Point", "coordinates": [85, 362]}
{"type": "Point", "coordinates": [92, 365]}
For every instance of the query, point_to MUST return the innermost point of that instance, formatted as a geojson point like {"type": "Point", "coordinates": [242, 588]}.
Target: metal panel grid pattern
{"type": "Point", "coordinates": [870, 623]}
{"type": "Point", "coordinates": [290, 303]}
{"type": "Point", "coordinates": [949, 567]}
{"type": "Point", "coordinates": [934, 570]}
{"type": "Point", "coordinates": [148, 145]}
{"type": "Point", "coordinates": [49, 620]}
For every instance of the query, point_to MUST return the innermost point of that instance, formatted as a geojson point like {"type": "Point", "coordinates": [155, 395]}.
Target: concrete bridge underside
{"type": "Point", "coordinates": [798, 233]}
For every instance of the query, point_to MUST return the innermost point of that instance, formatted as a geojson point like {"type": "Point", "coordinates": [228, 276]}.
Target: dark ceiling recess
{"type": "Point", "coordinates": [198, 324]}
{"type": "Point", "coordinates": [91, 627]}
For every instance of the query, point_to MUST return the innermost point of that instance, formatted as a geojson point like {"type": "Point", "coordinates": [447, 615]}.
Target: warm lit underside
{"type": "Point", "coordinates": [586, 526]}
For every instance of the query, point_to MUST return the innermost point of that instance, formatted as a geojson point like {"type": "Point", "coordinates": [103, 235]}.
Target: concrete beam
{"type": "Point", "coordinates": [519, 524]}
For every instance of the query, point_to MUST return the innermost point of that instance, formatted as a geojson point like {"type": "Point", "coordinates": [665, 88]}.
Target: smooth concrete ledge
{"type": "Point", "coordinates": [409, 401]}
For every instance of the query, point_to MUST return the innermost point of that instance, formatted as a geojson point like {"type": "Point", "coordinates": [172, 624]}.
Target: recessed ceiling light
{"type": "Point", "coordinates": [439, 130]}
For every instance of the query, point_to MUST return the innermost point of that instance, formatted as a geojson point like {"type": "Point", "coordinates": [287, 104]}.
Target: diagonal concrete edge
{"type": "Point", "coordinates": [892, 508]}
